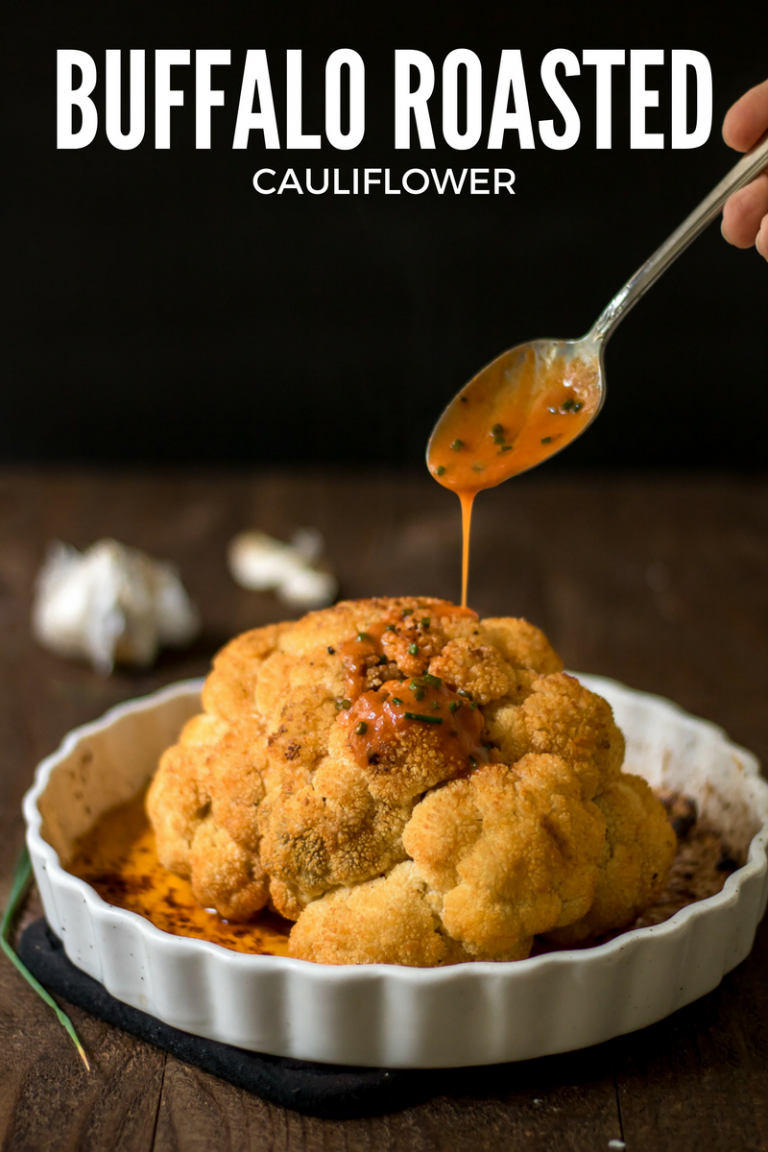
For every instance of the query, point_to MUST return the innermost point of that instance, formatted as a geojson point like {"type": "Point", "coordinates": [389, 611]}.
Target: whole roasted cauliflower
{"type": "Point", "coordinates": [411, 785]}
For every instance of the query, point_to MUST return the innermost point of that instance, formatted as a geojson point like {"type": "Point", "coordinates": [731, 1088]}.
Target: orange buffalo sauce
{"type": "Point", "coordinates": [117, 857]}
{"type": "Point", "coordinates": [508, 419]}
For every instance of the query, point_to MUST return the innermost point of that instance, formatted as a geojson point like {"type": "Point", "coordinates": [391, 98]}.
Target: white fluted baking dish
{"type": "Point", "coordinates": [383, 1015]}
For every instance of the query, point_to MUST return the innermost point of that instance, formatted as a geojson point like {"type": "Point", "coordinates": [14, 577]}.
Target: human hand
{"type": "Point", "coordinates": [745, 215]}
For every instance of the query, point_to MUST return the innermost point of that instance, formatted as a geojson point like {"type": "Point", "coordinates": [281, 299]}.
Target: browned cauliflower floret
{"type": "Point", "coordinates": [390, 920]}
{"type": "Point", "coordinates": [639, 848]}
{"type": "Point", "coordinates": [511, 850]}
{"type": "Point", "coordinates": [411, 785]}
{"type": "Point", "coordinates": [563, 717]}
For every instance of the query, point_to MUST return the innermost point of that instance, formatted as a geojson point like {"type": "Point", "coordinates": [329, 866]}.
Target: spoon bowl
{"type": "Point", "coordinates": [523, 407]}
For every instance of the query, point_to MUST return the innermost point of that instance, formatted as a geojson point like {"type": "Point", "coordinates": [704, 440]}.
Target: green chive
{"type": "Point", "coordinates": [435, 705]}
{"type": "Point", "coordinates": [506, 448]}
{"type": "Point", "coordinates": [435, 681]}
{"type": "Point", "coordinates": [361, 728]}
{"type": "Point", "coordinates": [413, 649]}
{"type": "Point", "coordinates": [472, 762]}
{"type": "Point", "coordinates": [457, 445]}
{"type": "Point", "coordinates": [463, 692]}
{"type": "Point", "coordinates": [463, 399]}
{"type": "Point", "coordinates": [397, 701]}
{"type": "Point", "coordinates": [499, 439]}
{"type": "Point", "coordinates": [390, 628]}
{"type": "Point", "coordinates": [454, 705]}
{"type": "Point", "coordinates": [424, 719]}
{"type": "Point", "coordinates": [440, 470]}
{"type": "Point", "coordinates": [331, 651]}
{"type": "Point", "coordinates": [407, 612]}
{"type": "Point", "coordinates": [343, 704]}
{"type": "Point", "coordinates": [478, 467]}
{"type": "Point", "coordinates": [497, 430]}
{"type": "Point", "coordinates": [383, 659]}
{"type": "Point", "coordinates": [546, 440]}
{"type": "Point", "coordinates": [425, 621]}
{"type": "Point", "coordinates": [473, 705]}
{"type": "Point", "coordinates": [568, 404]}
{"type": "Point", "coordinates": [578, 407]}
{"type": "Point", "coordinates": [22, 878]}
{"type": "Point", "coordinates": [552, 410]}
{"type": "Point", "coordinates": [363, 636]}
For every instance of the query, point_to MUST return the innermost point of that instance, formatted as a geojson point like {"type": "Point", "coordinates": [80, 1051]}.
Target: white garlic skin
{"type": "Point", "coordinates": [110, 604]}
{"type": "Point", "coordinates": [260, 563]}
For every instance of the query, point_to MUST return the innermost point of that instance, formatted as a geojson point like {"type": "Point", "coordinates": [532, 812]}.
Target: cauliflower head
{"type": "Point", "coordinates": [410, 785]}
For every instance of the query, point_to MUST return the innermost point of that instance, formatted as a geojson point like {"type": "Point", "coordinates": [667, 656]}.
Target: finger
{"type": "Point", "coordinates": [747, 119]}
{"type": "Point", "coordinates": [744, 211]}
{"type": "Point", "coordinates": [761, 243]}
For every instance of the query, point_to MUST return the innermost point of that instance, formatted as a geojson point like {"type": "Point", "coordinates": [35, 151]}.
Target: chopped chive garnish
{"type": "Point", "coordinates": [568, 404]}
{"type": "Point", "coordinates": [506, 448]}
{"type": "Point", "coordinates": [463, 399]}
{"type": "Point", "coordinates": [440, 470]}
{"type": "Point", "coordinates": [478, 467]}
{"type": "Point", "coordinates": [343, 704]}
{"type": "Point", "coordinates": [457, 445]}
{"type": "Point", "coordinates": [486, 744]}
{"type": "Point", "coordinates": [22, 878]}
{"type": "Point", "coordinates": [497, 430]}
{"type": "Point", "coordinates": [361, 728]}
{"type": "Point", "coordinates": [419, 693]}
{"type": "Point", "coordinates": [435, 681]}
{"type": "Point", "coordinates": [499, 439]}
{"type": "Point", "coordinates": [383, 659]}
{"type": "Point", "coordinates": [397, 701]}
{"type": "Point", "coordinates": [413, 649]}
{"type": "Point", "coordinates": [426, 621]}
{"type": "Point", "coordinates": [454, 705]}
{"type": "Point", "coordinates": [385, 696]}
{"type": "Point", "coordinates": [472, 762]}
{"type": "Point", "coordinates": [331, 651]}
{"type": "Point", "coordinates": [473, 705]}
{"type": "Point", "coordinates": [363, 636]}
{"type": "Point", "coordinates": [578, 407]}
{"type": "Point", "coordinates": [552, 410]}
{"type": "Point", "coordinates": [424, 719]}
{"type": "Point", "coordinates": [389, 628]}
{"type": "Point", "coordinates": [435, 705]}
{"type": "Point", "coordinates": [407, 612]}
{"type": "Point", "coordinates": [463, 692]}
{"type": "Point", "coordinates": [546, 440]}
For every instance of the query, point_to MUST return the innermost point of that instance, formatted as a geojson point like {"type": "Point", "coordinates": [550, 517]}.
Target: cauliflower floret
{"type": "Point", "coordinates": [411, 785]}
{"type": "Point", "coordinates": [389, 920]}
{"type": "Point", "coordinates": [562, 717]}
{"type": "Point", "coordinates": [513, 851]}
{"type": "Point", "coordinates": [476, 668]}
{"type": "Point", "coordinates": [639, 848]}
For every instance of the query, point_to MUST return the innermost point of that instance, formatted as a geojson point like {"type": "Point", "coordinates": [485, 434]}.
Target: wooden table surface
{"type": "Point", "coordinates": [659, 582]}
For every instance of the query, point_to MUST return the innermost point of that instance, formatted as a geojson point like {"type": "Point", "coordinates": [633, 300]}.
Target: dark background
{"type": "Point", "coordinates": [156, 309]}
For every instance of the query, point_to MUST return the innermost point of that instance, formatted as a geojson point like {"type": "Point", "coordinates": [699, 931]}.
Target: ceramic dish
{"type": "Point", "coordinates": [383, 1015]}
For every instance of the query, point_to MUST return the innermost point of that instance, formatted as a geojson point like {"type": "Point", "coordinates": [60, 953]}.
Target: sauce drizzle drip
{"type": "Point", "coordinates": [509, 419]}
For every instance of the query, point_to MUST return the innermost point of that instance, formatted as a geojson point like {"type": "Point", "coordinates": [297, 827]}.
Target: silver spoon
{"type": "Point", "coordinates": [503, 380]}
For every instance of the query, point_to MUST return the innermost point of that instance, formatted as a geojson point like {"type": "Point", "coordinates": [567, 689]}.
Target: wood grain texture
{"type": "Point", "coordinates": [659, 582]}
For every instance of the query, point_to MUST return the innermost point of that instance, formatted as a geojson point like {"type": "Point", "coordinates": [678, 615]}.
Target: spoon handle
{"type": "Point", "coordinates": [749, 165]}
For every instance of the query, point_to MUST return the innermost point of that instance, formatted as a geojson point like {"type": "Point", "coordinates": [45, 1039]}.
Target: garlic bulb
{"type": "Point", "coordinates": [110, 604]}
{"type": "Point", "coordinates": [262, 564]}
